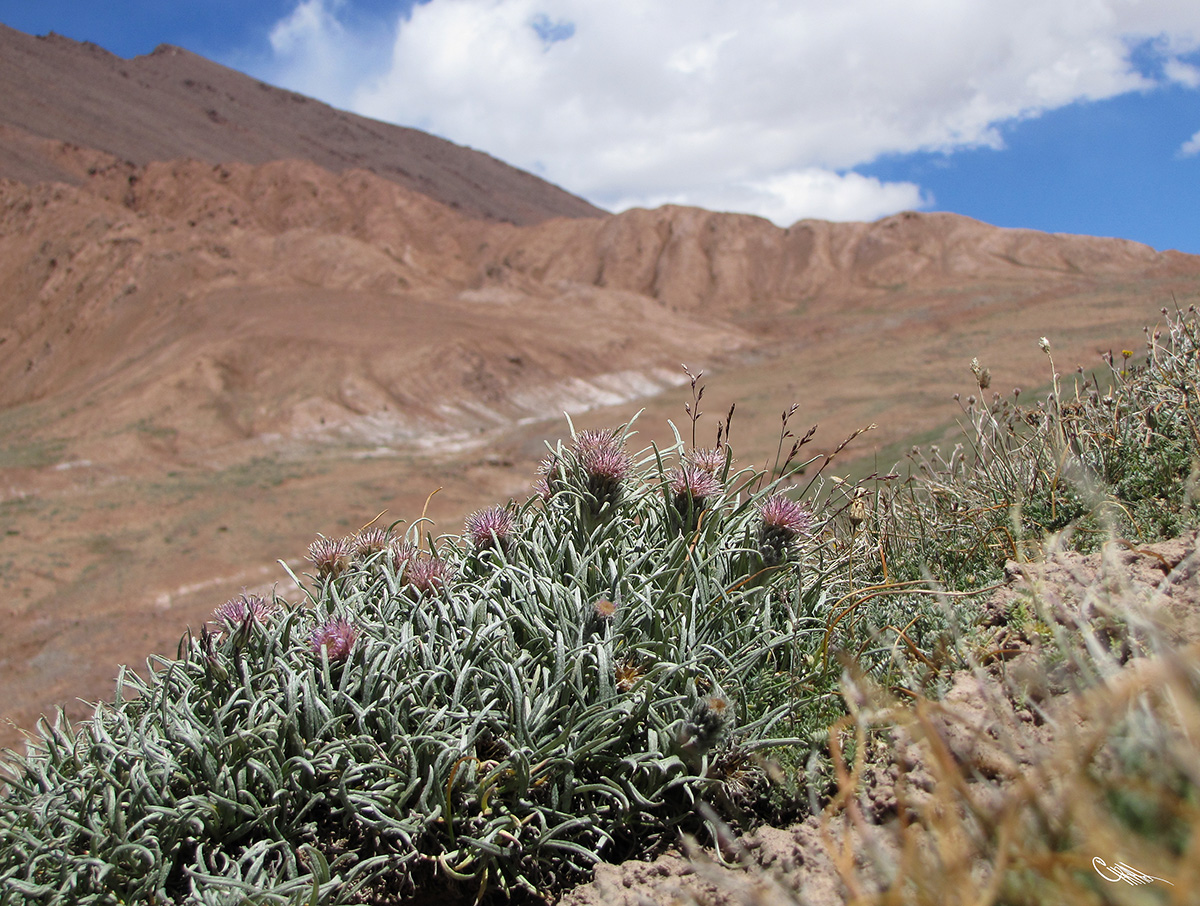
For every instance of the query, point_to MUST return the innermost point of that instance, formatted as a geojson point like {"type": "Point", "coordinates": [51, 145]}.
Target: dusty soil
{"type": "Point", "coordinates": [1017, 720]}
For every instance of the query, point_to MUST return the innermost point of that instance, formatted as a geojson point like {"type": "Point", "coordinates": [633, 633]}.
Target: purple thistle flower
{"type": "Point", "coordinates": [331, 556]}
{"type": "Point", "coordinates": [402, 553]}
{"type": "Point", "coordinates": [337, 636]}
{"type": "Point", "coordinates": [589, 441]}
{"type": "Point", "coordinates": [243, 608]}
{"type": "Point", "coordinates": [785, 514]}
{"type": "Point", "coordinates": [371, 541]}
{"type": "Point", "coordinates": [604, 462]}
{"type": "Point", "coordinates": [490, 528]}
{"type": "Point", "coordinates": [610, 464]}
{"type": "Point", "coordinates": [783, 521]}
{"type": "Point", "coordinates": [691, 488]}
{"type": "Point", "coordinates": [710, 459]}
{"type": "Point", "coordinates": [427, 574]}
{"type": "Point", "coordinates": [694, 482]}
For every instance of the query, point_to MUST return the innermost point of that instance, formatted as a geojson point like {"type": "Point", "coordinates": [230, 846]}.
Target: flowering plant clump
{"type": "Point", "coordinates": [501, 721]}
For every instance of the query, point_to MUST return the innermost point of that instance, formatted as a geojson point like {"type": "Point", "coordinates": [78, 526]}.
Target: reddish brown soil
{"type": "Point", "coordinates": [204, 362]}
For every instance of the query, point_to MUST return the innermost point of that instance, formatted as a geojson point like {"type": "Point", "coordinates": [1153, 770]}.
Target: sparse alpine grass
{"type": "Point", "coordinates": [1113, 453]}
{"type": "Point", "coordinates": [567, 681]}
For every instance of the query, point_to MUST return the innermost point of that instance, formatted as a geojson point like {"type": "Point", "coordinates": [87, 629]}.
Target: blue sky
{"type": "Point", "coordinates": [1050, 114]}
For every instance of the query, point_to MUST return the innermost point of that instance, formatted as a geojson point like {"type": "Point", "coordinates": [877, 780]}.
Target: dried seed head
{"type": "Point", "coordinates": [246, 608]}
{"type": "Point", "coordinates": [604, 609]}
{"type": "Point", "coordinates": [982, 375]}
{"type": "Point", "coordinates": [490, 528]}
{"type": "Point", "coordinates": [858, 512]}
{"type": "Point", "coordinates": [336, 636]}
{"type": "Point", "coordinates": [331, 556]}
{"type": "Point", "coordinates": [627, 674]}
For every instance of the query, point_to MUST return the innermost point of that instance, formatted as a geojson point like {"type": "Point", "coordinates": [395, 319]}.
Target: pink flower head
{"type": "Point", "coordinates": [331, 556]}
{"type": "Point", "coordinates": [402, 553]}
{"type": "Point", "coordinates": [371, 541]}
{"type": "Point", "coordinates": [710, 459]}
{"type": "Point", "coordinates": [783, 521]}
{"type": "Point", "coordinates": [244, 607]}
{"type": "Point", "coordinates": [490, 528]}
{"type": "Point", "coordinates": [694, 482]}
{"type": "Point", "coordinates": [605, 464]}
{"type": "Point", "coordinates": [786, 515]}
{"type": "Point", "coordinates": [337, 636]}
{"type": "Point", "coordinates": [427, 574]}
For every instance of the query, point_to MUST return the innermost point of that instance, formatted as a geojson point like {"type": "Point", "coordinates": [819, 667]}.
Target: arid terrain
{"type": "Point", "coordinates": [234, 318]}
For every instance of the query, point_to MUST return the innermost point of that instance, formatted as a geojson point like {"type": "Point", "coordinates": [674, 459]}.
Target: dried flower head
{"type": "Point", "coordinates": [783, 521]}
{"type": "Point", "coordinates": [336, 636]}
{"type": "Point", "coordinates": [246, 608]}
{"type": "Point", "coordinates": [371, 541]}
{"type": "Point", "coordinates": [604, 608]}
{"type": "Point", "coordinates": [627, 674]}
{"type": "Point", "coordinates": [858, 512]}
{"type": "Point", "coordinates": [427, 574]}
{"type": "Point", "coordinates": [490, 528]}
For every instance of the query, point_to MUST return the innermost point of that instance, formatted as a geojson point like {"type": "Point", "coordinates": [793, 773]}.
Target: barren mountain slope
{"type": "Point", "coordinates": [174, 104]}
{"type": "Point", "coordinates": [208, 354]}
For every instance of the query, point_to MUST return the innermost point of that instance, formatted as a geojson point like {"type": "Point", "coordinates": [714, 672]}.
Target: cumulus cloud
{"type": "Point", "coordinates": [766, 108]}
{"type": "Point", "coordinates": [316, 53]}
{"type": "Point", "coordinates": [1191, 146]}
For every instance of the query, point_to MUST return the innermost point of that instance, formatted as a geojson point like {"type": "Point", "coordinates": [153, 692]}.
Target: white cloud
{"type": "Point", "coordinates": [1183, 73]}
{"type": "Point", "coordinates": [316, 53]}
{"type": "Point", "coordinates": [1191, 146]}
{"type": "Point", "coordinates": [760, 107]}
